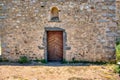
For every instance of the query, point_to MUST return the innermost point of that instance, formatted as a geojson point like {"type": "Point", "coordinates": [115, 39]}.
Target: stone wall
{"type": "Point", "coordinates": [89, 26]}
{"type": "Point", "coordinates": [118, 16]}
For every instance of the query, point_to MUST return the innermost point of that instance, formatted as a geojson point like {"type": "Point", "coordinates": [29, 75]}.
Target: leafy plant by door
{"type": "Point", "coordinates": [118, 50]}
{"type": "Point", "coordinates": [23, 59]}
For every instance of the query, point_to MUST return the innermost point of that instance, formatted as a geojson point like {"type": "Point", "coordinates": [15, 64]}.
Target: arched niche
{"type": "Point", "coordinates": [54, 14]}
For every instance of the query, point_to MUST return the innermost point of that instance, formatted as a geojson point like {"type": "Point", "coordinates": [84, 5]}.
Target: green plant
{"type": "Point", "coordinates": [76, 61]}
{"type": "Point", "coordinates": [118, 41]}
{"type": "Point", "coordinates": [37, 60]}
{"type": "Point", "coordinates": [42, 60]}
{"type": "Point", "coordinates": [23, 59]}
{"type": "Point", "coordinates": [118, 53]}
{"type": "Point", "coordinates": [117, 69]}
{"type": "Point", "coordinates": [64, 61]}
{"type": "Point", "coordinates": [1, 60]}
{"type": "Point", "coordinates": [78, 78]}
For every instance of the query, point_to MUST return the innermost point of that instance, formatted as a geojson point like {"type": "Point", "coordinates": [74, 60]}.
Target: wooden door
{"type": "Point", "coordinates": [55, 45]}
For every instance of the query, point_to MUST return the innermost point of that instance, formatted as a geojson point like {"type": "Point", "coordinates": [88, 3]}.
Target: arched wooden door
{"type": "Point", "coordinates": [55, 45]}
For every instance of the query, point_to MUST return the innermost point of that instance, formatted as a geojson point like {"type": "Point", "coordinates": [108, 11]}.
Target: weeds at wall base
{"type": "Point", "coordinates": [42, 61]}
{"type": "Point", "coordinates": [97, 62]}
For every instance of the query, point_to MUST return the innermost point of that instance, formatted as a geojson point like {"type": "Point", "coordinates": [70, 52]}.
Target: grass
{"type": "Point", "coordinates": [3, 59]}
{"type": "Point", "coordinates": [42, 61]}
{"type": "Point", "coordinates": [117, 69]}
{"type": "Point", "coordinates": [118, 52]}
{"type": "Point", "coordinates": [75, 61]}
{"type": "Point", "coordinates": [23, 59]}
{"type": "Point", "coordinates": [16, 77]}
{"type": "Point", "coordinates": [77, 78]}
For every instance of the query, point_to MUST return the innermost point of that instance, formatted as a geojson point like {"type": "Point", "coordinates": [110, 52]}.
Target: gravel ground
{"type": "Point", "coordinates": [57, 71]}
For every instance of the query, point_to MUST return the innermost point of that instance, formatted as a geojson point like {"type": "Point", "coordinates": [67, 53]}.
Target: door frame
{"type": "Point", "coordinates": [46, 44]}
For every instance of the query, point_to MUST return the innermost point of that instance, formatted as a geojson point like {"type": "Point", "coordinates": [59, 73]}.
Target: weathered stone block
{"type": "Point", "coordinates": [112, 7]}
{"type": "Point", "coordinates": [111, 34]}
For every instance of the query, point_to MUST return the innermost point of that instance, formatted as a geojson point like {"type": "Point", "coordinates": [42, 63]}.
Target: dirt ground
{"type": "Point", "coordinates": [57, 72]}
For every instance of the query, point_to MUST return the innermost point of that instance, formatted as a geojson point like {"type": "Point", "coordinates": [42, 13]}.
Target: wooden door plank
{"type": "Point", "coordinates": [55, 45]}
